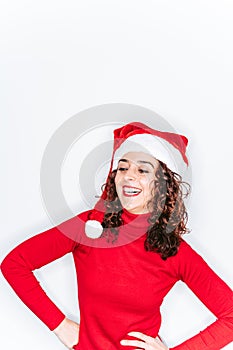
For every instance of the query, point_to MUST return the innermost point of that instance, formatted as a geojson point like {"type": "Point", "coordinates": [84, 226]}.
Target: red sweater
{"type": "Point", "coordinates": [120, 289]}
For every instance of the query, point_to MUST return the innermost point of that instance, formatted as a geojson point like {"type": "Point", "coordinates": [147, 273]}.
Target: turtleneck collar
{"type": "Point", "coordinates": [134, 227]}
{"type": "Point", "coordinates": [136, 220]}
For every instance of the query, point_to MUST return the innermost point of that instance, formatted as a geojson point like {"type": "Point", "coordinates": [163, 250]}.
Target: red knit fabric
{"type": "Point", "coordinates": [120, 289]}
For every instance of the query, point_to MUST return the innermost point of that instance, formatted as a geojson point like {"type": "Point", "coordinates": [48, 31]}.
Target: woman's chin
{"type": "Point", "coordinates": [135, 210]}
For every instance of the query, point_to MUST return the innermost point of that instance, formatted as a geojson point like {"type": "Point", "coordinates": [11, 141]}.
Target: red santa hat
{"type": "Point", "coordinates": [167, 147]}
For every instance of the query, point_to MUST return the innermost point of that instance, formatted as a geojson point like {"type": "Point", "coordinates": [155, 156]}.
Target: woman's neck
{"type": "Point", "coordinates": [135, 219]}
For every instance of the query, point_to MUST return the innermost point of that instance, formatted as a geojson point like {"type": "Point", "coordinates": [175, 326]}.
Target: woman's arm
{"type": "Point", "coordinates": [212, 291]}
{"type": "Point", "coordinates": [214, 294]}
{"type": "Point", "coordinates": [32, 254]}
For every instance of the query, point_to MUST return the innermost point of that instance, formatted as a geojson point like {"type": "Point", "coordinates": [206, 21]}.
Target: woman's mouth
{"type": "Point", "coordinates": [130, 191]}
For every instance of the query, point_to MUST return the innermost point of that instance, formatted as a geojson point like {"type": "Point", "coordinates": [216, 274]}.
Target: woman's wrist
{"type": "Point", "coordinates": [60, 326]}
{"type": "Point", "coordinates": [68, 332]}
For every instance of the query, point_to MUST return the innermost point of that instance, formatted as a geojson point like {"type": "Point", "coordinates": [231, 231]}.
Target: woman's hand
{"type": "Point", "coordinates": [146, 342]}
{"type": "Point", "coordinates": [68, 333]}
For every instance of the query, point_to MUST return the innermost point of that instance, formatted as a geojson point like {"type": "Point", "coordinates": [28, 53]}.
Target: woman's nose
{"type": "Point", "coordinates": [130, 174]}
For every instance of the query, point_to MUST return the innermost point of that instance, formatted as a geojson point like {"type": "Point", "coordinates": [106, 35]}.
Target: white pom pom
{"type": "Point", "coordinates": [93, 229]}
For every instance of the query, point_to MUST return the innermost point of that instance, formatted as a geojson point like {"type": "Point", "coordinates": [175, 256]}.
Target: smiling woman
{"type": "Point", "coordinates": [142, 217]}
{"type": "Point", "coordinates": [134, 181]}
{"type": "Point", "coordinates": [143, 184]}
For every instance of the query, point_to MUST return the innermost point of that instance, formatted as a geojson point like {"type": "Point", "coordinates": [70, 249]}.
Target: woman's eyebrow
{"type": "Point", "coordinates": [123, 160]}
{"type": "Point", "coordinates": [138, 161]}
{"type": "Point", "coordinates": [146, 162]}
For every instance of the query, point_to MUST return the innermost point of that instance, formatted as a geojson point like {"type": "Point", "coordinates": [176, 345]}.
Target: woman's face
{"type": "Point", "coordinates": [135, 181]}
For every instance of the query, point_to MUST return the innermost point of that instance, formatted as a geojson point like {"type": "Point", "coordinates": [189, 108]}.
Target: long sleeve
{"type": "Point", "coordinates": [32, 254]}
{"type": "Point", "coordinates": [214, 294]}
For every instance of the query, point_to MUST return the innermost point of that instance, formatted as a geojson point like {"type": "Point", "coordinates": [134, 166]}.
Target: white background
{"type": "Point", "coordinates": [61, 57]}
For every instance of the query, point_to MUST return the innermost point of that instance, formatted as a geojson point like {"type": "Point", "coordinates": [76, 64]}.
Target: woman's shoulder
{"type": "Point", "coordinates": [185, 249]}
{"type": "Point", "coordinates": [187, 259]}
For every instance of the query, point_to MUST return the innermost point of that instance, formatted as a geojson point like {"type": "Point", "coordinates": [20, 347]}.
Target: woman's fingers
{"type": "Point", "coordinates": [146, 342]}
{"type": "Point", "coordinates": [140, 335]}
{"type": "Point", "coordinates": [139, 343]}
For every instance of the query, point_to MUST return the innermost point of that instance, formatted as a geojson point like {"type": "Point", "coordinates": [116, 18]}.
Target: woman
{"type": "Point", "coordinates": [140, 217]}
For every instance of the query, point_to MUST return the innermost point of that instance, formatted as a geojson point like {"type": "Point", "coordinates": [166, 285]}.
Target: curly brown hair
{"type": "Point", "coordinates": [168, 218]}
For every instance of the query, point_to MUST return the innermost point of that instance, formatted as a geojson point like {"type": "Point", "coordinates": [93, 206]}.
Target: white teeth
{"type": "Point", "coordinates": [131, 191]}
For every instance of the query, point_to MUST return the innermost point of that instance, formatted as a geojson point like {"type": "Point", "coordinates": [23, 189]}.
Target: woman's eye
{"type": "Point", "coordinates": [143, 171]}
{"type": "Point", "coordinates": [122, 169]}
